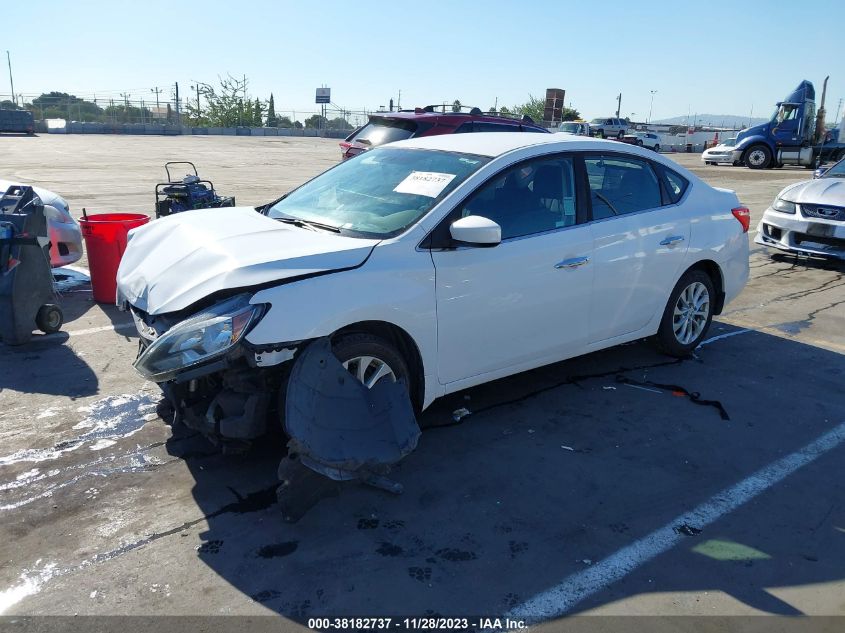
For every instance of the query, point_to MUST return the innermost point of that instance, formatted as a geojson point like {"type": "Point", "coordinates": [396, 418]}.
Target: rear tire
{"type": "Point", "coordinates": [600, 133]}
{"type": "Point", "coordinates": [621, 135]}
{"type": "Point", "coordinates": [758, 157]}
{"type": "Point", "coordinates": [656, 148]}
{"type": "Point", "coordinates": [687, 315]}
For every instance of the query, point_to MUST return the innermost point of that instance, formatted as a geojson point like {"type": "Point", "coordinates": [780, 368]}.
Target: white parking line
{"type": "Point", "coordinates": [128, 325]}
{"type": "Point", "coordinates": [579, 586]}
{"type": "Point", "coordinates": [719, 337]}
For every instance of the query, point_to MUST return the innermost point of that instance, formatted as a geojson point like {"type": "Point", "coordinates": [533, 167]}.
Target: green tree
{"type": "Point", "coordinates": [456, 105]}
{"type": "Point", "coordinates": [316, 121]}
{"type": "Point", "coordinates": [224, 105]}
{"type": "Point", "coordinates": [339, 123]}
{"type": "Point", "coordinates": [534, 108]}
{"type": "Point", "coordinates": [492, 110]}
{"type": "Point", "coordinates": [504, 110]}
{"type": "Point", "coordinates": [257, 114]}
{"type": "Point", "coordinates": [284, 121]}
{"type": "Point", "coordinates": [6, 104]}
{"type": "Point", "coordinates": [569, 114]}
{"type": "Point", "coordinates": [272, 121]}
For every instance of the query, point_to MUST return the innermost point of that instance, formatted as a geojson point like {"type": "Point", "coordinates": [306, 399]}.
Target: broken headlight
{"type": "Point", "coordinates": [198, 339]}
{"type": "Point", "coordinates": [784, 206]}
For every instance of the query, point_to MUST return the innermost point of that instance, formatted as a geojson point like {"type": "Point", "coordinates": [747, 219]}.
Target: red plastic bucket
{"type": "Point", "coordinates": [105, 241]}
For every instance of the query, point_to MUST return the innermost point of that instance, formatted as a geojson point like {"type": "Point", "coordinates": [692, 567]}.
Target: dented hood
{"type": "Point", "coordinates": [820, 191]}
{"type": "Point", "coordinates": [175, 261]}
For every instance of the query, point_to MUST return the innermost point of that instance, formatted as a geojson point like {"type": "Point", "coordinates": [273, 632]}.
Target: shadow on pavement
{"type": "Point", "coordinates": [554, 471]}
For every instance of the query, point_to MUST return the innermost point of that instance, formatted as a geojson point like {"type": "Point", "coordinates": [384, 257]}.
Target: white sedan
{"type": "Point", "coordinates": [65, 234]}
{"type": "Point", "coordinates": [440, 262]}
{"type": "Point", "coordinates": [721, 153]}
{"type": "Point", "coordinates": [808, 217]}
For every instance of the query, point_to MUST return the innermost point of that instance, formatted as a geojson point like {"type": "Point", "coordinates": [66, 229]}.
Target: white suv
{"type": "Point", "coordinates": [610, 127]}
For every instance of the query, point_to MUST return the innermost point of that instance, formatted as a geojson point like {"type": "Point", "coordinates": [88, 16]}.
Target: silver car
{"type": "Point", "coordinates": [808, 218]}
{"type": "Point", "coordinates": [65, 234]}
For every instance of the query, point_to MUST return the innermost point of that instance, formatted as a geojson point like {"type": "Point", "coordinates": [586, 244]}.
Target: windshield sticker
{"type": "Point", "coordinates": [424, 183]}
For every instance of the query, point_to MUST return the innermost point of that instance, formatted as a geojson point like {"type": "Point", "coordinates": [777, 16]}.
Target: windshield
{"type": "Point", "coordinates": [379, 193]}
{"type": "Point", "coordinates": [380, 131]}
{"type": "Point", "coordinates": [729, 142]}
{"type": "Point", "coordinates": [598, 121]}
{"type": "Point", "coordinates": [569, 127]}
{"type": "Point", "coordinates": [837, 171]}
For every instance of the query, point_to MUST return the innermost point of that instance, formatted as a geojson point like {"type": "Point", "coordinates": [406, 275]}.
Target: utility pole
{"type": "Point", "coordinates": [158, 91]}
{"type": "Point", "coordinates": [651, 105]}
{"type": "Point", "coordinates": [618, 104]}
{"type": "Point", "coordinates": [178, 115]}
{"type": "Point", "coordinates": [125, 96]}
{"type": "Point", "coordinates": [11, 81]}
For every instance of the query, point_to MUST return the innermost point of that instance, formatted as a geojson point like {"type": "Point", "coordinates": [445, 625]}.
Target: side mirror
{"type": "Point", "coordinates": [820, 171]}
{"type": "Point", "coordinates": [476, 231]}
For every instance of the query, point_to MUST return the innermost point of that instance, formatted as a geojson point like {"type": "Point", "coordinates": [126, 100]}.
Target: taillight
{"type": "Point", "coordinates": [744, 216]}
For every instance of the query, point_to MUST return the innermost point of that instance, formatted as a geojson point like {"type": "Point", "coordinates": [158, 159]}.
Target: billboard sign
{"type": "Point", "coordinates": [324, 95]}
{"type": "Point", "coordinates": [554, 104]}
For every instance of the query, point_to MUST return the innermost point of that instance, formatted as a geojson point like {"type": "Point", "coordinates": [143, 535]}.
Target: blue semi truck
{"type": "Point", "coordinates": [795, 135]}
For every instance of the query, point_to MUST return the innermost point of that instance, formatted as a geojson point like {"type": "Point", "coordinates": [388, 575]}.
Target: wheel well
{"type": "Point", "coordinates": [713, 271]}
{"type": "Point", "coordinates": [404, 344]}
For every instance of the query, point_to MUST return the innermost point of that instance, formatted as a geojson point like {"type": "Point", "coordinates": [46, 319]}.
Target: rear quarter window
{"type": "Point", "coordinates": [676, 185]}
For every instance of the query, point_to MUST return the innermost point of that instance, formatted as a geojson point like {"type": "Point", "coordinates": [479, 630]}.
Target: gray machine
{"type": "Point", "coordinates": [27, 296]}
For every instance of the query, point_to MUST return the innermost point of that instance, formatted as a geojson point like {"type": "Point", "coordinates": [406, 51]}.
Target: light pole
{"type": "Point", "coordinates": [11, 81]}
{"type": "Point", "coordinates": [651, 105]}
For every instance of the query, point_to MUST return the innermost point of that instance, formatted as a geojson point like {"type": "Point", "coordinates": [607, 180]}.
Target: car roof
{"type": "Point", "coordinates": [455, 117]}
{"type": "Point", "coordinates": [497, 143]}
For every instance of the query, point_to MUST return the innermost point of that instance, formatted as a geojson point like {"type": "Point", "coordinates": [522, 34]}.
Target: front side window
{"type": "Point", "coordinates": [620, 185]}
{"type": "Point", "coordinates": [378, 193]}
{"type": "Point", "coordinates": [532, 197]}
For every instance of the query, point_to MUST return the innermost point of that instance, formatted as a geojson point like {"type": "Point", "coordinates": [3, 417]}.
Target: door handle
{"type": "Point", "coordinates": [572, 263]}
{"type": "Point", "coordinates": [672, 240]}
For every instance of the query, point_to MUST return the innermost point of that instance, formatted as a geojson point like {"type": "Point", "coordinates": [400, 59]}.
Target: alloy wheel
{"type": "Point", "coordinates": [691, 313]}
{"type": "Point", "coordinates": [369, 370]}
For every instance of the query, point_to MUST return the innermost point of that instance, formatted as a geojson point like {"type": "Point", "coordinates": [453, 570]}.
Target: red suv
{"type": "Point", "coordinates": [430, 121]}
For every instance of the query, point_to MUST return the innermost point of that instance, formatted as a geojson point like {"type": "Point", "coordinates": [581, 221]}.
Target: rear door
{"type": "Point", "coordinates": [640, 241]}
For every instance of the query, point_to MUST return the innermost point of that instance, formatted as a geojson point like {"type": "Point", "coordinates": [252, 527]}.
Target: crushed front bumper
{"type": "Point", "coordinates": [800, 235]}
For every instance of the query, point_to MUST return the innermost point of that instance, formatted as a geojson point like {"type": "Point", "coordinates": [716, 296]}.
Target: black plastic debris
{"type": "Point", "coordinates": [687, 530]}
{"type": "Point", "coordinates": [676, 390]}
{"type": "Point", "coordinates": [341, 429]}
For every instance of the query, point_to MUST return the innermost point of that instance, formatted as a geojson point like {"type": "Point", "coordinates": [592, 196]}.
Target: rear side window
{"type": "Point", "coordinates": [621, 185]}
{"type": "Point", "coordinates": [381, 131]}
{"type": "Point", "coordinates": [676, 185]}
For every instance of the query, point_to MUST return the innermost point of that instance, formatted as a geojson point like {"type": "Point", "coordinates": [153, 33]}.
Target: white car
{"type": "Point", "coordinates": [721, 153]}
{"type": "Point", "coordinates": [441, 262]}
{"type": "Point", "coordinates": [65, 234]}
{"type": "Point", "coordinates": [808, 218]}
{"type": "Point", "coordinates": [649, 140]}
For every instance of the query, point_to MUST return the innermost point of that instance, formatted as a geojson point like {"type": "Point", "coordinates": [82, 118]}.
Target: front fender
{"type": "Point", "coordinates": [753, 140]}
{"type": "Point", "coordinates": [394, 286]}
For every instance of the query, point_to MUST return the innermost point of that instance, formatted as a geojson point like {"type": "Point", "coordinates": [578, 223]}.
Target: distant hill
{"type": "Point", "coordinates": [717, 120]}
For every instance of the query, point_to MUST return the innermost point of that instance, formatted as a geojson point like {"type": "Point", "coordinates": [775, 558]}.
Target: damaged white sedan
{"type": "Point", "coordinates": [808, 218]}
{"type": "Point", "coordinates": [416, 270]}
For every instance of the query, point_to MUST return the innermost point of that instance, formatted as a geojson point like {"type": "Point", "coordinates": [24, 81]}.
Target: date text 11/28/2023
{"type": "Point", "coordinates": [425, 623]}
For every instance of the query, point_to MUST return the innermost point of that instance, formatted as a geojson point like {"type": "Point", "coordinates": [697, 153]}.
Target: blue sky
{"type": "Point", "coordinates": [716, 57]}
